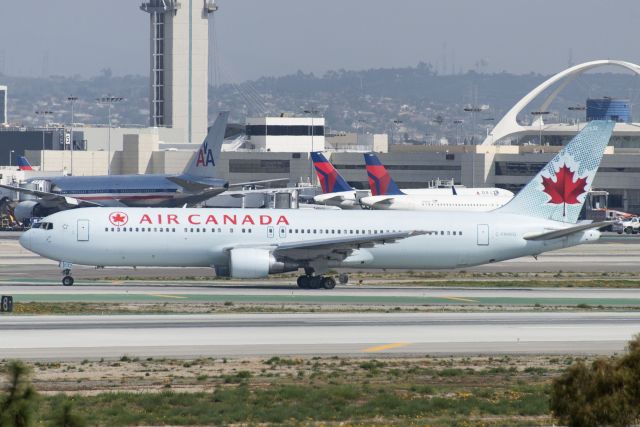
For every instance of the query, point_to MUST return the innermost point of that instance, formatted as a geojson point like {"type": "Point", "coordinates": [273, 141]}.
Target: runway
{"type": "Point", "coordinates": [80, 337]}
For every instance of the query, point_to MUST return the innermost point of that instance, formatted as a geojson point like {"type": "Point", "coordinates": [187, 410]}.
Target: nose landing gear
{"type": "Point", "coordinates": [67, 280]}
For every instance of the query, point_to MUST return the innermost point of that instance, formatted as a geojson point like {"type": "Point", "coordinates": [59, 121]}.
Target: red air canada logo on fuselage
{"type": "Point", "coordinates": [212, 219]}
{"type": "Point", "coordinates": [118, 219]}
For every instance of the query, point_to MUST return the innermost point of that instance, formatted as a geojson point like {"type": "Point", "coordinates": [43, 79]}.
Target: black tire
{"type": "Point", "coordinates": [303, 282]}
{"type": "Point", "coordinates": [328, 283]}
{"type": "Point", "coordinates": [628, 230]}
{"type": "Point", "coordinates": [315, 282]}
{"type": "Point", "coordinates": [343, 278]}
{"type": "Point", "coordinates": [67, 281]}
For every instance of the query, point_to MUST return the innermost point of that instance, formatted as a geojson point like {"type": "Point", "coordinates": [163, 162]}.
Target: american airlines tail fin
{"type": "Point", "coordinates": [560, 189]}
{"type": "Point", "coordinates": [330, 179]}
{"type": "Point", "coordinates": [380, 181]}
{"type": "Point", "coordinates": [203, 161]}
{"type": "Point", "coordinates": [23, 164]}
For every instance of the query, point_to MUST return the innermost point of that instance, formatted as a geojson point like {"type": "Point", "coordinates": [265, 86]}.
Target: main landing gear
{"type": "Point", "coordinates": [308, 281]}
{"type": "Point", "coordinates": [67, 280]}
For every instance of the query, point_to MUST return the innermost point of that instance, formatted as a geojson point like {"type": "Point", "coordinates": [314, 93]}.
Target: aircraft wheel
{"type": "Point", "coordinates": [303, 282]}
{"type": "Point", "coordinates": [67, 281]}
{"type": "Point", "coordinates": [315, 282]}
{"type": "Point", "coordinates": [328, 283]}
{"type": "Point", "coordinates": [343, 278]}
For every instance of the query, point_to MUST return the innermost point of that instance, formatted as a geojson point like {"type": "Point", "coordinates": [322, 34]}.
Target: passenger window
{"type": "Point", "coordinates": [106, 229]}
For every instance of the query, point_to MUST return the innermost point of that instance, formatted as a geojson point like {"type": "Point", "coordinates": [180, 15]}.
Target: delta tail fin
{"type": "Point", "coordinates": [380, 181]}
{"type": "Point", "coordinates": [203, 162]}
{"type": "Point", "coordinates": [23, 164]}
{"type": "Point", "coordinates": [560, 189]}
{"type": "Point", "coordinates": [330, 179]}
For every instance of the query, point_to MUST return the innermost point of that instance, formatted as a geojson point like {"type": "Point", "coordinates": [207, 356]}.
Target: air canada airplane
{"type": "Point", "coordinates": [195, 184]}
{"type": "Point", "coordinates": [255, 243]}
{"type": "Point", "coordinates": [387, 195]}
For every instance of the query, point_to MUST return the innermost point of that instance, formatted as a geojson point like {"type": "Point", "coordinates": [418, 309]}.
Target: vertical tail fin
{"type": "Point", "coordinates": [330, 179]}
{"type": "Point", "coordinates": [380, 181]}
{"type": "Point", "coordinates": [560, 189]}
{"type": "Point", "coordinates": [203, 161]}
{"type": "Point", "coordinates": [23, 164]}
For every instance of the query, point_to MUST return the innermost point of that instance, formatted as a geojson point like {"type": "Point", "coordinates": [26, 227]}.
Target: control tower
{"type": "Point", "coordinates": [178, 73]}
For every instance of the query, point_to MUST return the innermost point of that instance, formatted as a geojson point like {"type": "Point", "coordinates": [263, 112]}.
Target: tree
{"type": "Point", "coordinates": [17, 405]}
{"type": "Point", "coordinates": [607, 393]}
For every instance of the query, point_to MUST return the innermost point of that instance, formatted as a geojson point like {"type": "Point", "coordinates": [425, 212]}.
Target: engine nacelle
{"type": "Point", "coordinates": [25, 210]}
{"type": "Point", "coordinates": [253, 263]}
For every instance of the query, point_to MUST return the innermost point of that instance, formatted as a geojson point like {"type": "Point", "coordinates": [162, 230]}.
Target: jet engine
{"type": "Point", "coordinates": [30, 209]}
{"type": "Point", "coordinates": [253, 263]}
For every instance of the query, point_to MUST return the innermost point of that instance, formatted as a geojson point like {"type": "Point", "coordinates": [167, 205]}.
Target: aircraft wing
{"type": "Point", "coordinates": [264, 181]}
{"type": "Point", "coordinates": [195, 186]}
{"type": "Point", "coordinates": [555, 234]}
{"type": "Point", "coordinates": [335, 248]}
{"type": "Point", "coordinates": [53, 198]}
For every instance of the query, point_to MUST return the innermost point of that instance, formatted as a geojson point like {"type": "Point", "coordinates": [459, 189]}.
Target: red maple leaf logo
{"type": "Point", "coordinates": [563, 189]}
{"type": "Point", "coordinates": [118, 218]}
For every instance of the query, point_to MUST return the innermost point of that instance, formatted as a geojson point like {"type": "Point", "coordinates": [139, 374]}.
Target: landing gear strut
{"type": "Point", "coordinates": [67, 280]}
{"type": "Point", "coordinates": [307, 281]}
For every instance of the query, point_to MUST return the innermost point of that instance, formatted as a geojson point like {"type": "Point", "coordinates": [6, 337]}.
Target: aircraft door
{"type": "Point", "coordinates": [270, 232]}
{"type": "Point", "coordinates": [483, 234]}
{"type": "Point", "coordinates": [83, 230]}
{"type": "Point", "coordinates": [283, 232]}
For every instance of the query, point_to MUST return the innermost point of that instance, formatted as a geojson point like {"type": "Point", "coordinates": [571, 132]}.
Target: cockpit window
{"type": "Point", "coordinates": [49, 226]}
{"type": "Point", "coordinates": [44, 225]}
{"type": "Point", "coordinates": [36, 225]}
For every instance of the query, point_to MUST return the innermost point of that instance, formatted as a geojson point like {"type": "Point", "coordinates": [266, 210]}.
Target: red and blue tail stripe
{"type": "Point", "coordinates": [330, 180]}
{"type": "Point", "coordinates": [23, 164]}
{"type": "Point", "coordinates": [380, 181]}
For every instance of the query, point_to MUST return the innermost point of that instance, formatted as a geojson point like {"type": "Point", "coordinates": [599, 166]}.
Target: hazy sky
{"type": "Point", "coordinates": [276, 37]}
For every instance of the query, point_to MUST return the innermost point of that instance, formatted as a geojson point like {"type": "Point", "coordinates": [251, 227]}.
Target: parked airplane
{"type": "Point", "coordinates": [255, 243]}
{"type": "Point", "coordinates": [23, 164]}
{"type": "Point", "coordinates": [387, 195]}
{"type": "Point", "coordinates": [196, 183]}
{"type": "Point", "coordinates": [335, 190]}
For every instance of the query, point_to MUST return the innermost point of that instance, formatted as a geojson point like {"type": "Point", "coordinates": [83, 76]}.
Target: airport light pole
{"type": "Point", "coordinates": [539, 114]}
{"type": "Point", "coordinates": [43, 114]}
{"type": "Point", "coordinates": [10, 153]}
{"type": "Point", "coordinates": [396, 122]}
{"type": "Point", "coordinates": [109, 100]}
{"type": "Point", "coordinates": [72, 99]}
{"type": "Point", "coordinates": [578, 108]}
{"type": "Point", "coordinates": [458, 124]}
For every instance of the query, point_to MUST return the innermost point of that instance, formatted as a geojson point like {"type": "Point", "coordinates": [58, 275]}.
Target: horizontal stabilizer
{"type": "Point", "coordinates": [556, 234]}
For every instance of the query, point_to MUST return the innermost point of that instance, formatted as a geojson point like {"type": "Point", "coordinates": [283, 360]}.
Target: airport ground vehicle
{"type": "Point", "coordinates": [255, 243]}
{"type": "Point", "coordinates": [627, 226]}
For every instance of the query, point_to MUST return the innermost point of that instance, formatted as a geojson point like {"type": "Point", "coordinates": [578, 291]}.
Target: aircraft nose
{"type": "Point", "coordinates": [25, 239]}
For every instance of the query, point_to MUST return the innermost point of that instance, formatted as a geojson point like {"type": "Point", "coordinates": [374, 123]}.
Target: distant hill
{"type": "Point", "coordinates": [427, 104]}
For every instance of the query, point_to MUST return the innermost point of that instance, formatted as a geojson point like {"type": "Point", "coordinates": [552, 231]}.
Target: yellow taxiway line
{"type": "Point", "coordinates": [385, 347]}
{"type": "Point", "coordinates": [460, 299]}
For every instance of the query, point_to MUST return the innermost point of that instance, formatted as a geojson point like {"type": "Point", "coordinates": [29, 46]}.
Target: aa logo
{"type": "Point", "coordinates": [205, 156]}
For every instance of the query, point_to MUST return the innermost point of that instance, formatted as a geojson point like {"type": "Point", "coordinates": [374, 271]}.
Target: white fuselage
{"type": "Point", "coordinates": [203, 237]}
{"type": "Point", "coordinates": [435, 199]}
{"type": "Point", "coordinates": [437, 203]}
